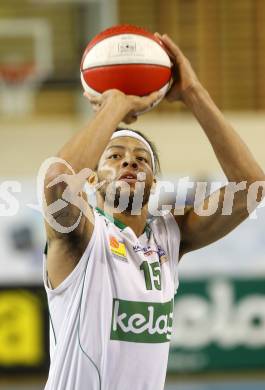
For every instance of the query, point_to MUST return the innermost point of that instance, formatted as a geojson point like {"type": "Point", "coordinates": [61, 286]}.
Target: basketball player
{"type": "Point", "coordinates": [111, 281]}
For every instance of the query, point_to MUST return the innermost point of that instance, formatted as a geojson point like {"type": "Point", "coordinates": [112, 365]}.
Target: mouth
{"type": "Point", "coordinates": [128, 177]}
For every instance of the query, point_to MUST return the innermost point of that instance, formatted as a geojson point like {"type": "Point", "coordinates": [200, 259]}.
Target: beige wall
{"type": "Point", "coordinates": [223, 39]}
{"type": "Point", "coordinates": [183, 147]}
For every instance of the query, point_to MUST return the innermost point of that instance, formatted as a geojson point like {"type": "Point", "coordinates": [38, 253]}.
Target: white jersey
{"type": "Point", "coordinates": [111, 318]}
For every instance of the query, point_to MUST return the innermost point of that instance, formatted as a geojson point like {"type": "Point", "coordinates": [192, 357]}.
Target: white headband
{"type": "Point", "coordinates": [130, 133]}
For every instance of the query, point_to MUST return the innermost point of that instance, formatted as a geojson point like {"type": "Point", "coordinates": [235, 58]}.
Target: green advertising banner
{"type": "Point", "coordinates": [219, 324]}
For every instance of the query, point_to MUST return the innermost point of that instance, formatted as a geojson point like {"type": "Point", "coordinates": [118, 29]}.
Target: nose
{"type": "Point", "coordinates": [129, 162]}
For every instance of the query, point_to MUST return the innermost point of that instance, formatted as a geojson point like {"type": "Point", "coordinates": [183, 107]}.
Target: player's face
{"type": "Point", "coordinates": [126, 166]}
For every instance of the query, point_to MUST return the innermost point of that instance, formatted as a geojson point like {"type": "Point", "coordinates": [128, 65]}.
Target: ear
{"type": "Point", "coordinates": [153, 188]}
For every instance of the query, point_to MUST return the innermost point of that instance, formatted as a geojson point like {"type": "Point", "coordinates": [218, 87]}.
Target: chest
{"type": "Point", "coordinates": [139, 267]}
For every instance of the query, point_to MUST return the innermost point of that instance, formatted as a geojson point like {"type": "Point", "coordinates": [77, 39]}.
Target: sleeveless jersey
{"type": "Point", "coordinates": [111, 318]}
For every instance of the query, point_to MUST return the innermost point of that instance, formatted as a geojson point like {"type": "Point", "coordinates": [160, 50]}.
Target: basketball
{"type": "Point", "coordinates": [128, 58]}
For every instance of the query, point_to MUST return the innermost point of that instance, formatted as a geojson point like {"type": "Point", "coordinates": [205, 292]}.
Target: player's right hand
{"type": "Point", "coordinates": [132, 104]}
{"type": "Point", "coordinates": [184, 77]}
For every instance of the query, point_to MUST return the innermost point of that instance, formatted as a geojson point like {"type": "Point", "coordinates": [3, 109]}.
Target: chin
{"type": "Point", "coordinates": [124, 198]}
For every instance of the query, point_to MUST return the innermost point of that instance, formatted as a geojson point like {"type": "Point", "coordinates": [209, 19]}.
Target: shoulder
{"type": "Point", "coordinates": [166, 224]}
{"type": "Point", "coordinates": [180, 218]}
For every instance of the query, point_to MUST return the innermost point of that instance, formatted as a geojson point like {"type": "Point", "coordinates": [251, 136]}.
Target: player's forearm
{"type": "Point", "coordinates": [84, 149]}
{"type": "Point", "coordinates": [232, 153]}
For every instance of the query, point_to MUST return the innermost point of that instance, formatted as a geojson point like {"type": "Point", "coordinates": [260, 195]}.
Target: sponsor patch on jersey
{"type": "Point", "coordinates": [148, 251]}
{"type": "Point", "coordinates": [118, 248]}
{"type": "Point", "coordinates": [162, 255]}
{"type": "Point", "coordinates": [141, 322]}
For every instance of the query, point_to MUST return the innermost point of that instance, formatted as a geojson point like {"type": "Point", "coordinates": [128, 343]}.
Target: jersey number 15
{"type": "Point", "coordinates": [152, 275]}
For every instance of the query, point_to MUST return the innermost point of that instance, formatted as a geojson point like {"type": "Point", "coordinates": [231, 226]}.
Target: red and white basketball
{"type": "Point", "coordinates": [127, 58]}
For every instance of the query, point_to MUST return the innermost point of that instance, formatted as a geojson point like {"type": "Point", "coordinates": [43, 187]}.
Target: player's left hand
{"type": "Point", "coordinates": [184, 77]}
{"type": "Point", "coordinates": [133, 104]}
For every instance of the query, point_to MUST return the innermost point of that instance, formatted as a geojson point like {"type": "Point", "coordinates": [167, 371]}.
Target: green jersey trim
{"type": "Point", "coordinates": [118, 223]}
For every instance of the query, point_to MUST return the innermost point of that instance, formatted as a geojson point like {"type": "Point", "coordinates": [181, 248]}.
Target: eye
{"type": "Point", "coordinates": [114, 156]}
{"type": "Point", "coordinates": [140, 158]}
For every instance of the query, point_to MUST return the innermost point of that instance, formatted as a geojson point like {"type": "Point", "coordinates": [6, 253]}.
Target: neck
{"type": "Point", "coordinates": [135, 222]}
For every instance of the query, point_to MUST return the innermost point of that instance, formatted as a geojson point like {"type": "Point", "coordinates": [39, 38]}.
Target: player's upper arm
{"type": "Point", "coordinates": [67, 212]}
{"type": "Point", "coordinates": [199, 229]}
{"type": "Point", "coordinates": [69, 222]}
